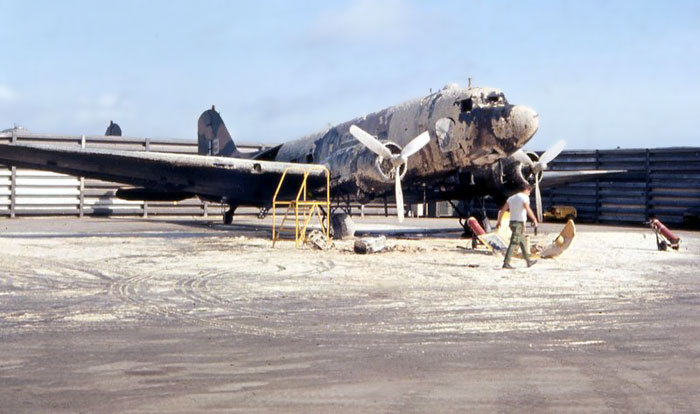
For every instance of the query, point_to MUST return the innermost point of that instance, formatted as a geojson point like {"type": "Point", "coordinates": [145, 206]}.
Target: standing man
{"type": "Point", "coordinates": [519, 206]}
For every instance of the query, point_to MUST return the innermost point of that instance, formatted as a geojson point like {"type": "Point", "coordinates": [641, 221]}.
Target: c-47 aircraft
{"type": "Point", "coordinates": [456, 143]}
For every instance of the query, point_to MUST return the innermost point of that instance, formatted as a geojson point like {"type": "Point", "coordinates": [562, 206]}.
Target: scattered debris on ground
{"type": "Point", "coordinates": [318, 240]}
{"type": "Point", "coordinates": [367, 245]}
{"type": "Point", "coordinates": [664, 237]}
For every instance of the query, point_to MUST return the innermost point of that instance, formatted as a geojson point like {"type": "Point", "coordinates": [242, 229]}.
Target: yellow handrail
{"type": "Point", "coordinates": [307, 206]}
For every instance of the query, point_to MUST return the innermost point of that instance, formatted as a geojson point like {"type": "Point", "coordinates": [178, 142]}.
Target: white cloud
{"type": "Point", "coordinates": [99, 110]}
{"type": "Point", "coordinates": [107, 100]}
{"type": "Point", "coordinates": [382, 21]}
{"type": "Point", "coordinates": [7, 94]}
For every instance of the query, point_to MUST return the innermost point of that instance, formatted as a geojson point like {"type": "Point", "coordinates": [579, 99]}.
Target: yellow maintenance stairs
{"type": "Point", "coordinates": [302, 208]}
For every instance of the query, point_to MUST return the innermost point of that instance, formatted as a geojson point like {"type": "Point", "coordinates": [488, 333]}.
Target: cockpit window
{"type": "Point", "coordinates": [466, 105]}
{"type": "Point", "coordinates": [496, 99]}
{"type": "Point", "coordinates": [481, 98]}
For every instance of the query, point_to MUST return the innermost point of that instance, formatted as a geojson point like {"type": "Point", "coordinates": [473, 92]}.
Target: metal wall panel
{"type": "Point", "coordinates": [31, 192]}
{"type": "Point", "coordinates": [660, 182]}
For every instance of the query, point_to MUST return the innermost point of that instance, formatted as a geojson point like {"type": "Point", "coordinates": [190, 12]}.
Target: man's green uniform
{"type": "Point", "coordinates": [517, 238]}
{"type": "Point", "coordinates": [518, 204]}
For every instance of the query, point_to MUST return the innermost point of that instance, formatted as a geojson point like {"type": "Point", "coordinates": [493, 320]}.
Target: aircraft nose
{"type": "Point", "coordinates": [524, 122]}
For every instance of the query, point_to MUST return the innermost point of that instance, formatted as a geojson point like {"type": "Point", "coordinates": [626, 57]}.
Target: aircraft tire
{"type": "Point", "coordinates": [228, 215]}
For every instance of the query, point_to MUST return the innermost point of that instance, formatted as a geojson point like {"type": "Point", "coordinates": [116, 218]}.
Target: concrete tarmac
{"type": "Point", "coordinates": [190, 316]}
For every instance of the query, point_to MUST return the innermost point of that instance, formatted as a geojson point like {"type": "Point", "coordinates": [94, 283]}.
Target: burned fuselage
{"type": "Point", "coordinates": [469, 128]}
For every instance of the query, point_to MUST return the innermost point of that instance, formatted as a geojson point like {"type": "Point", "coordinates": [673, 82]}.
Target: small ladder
{"type": "Point", "coordinates": [302, 208]}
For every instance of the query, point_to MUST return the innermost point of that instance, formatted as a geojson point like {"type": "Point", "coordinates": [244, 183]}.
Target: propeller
{"type": "Point", "coordinates": [524, 159]}
{"type": "Point", "coordinates": [551, 153]}
{"type": "Point", "coordinates": [397, 160]}
{"type": "Point", "coordinates": [539, 166]}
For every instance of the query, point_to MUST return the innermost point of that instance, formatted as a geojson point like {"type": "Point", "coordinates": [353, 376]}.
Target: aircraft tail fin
{"type": "Point", "coordinates": [113, 130]}
{"type": "Point", "coordinates": [213, 137]}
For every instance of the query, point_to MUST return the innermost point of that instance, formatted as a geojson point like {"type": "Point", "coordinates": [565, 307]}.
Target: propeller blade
{"type": "Point", "coordinates": [399, 194]}
{"type": "Point", "coordinates": [378, 148]}
{"type": "Point", "coordinates": [370, 142]}
{"type": "Point", "coordinates": [521, 156]}
{"type": "Point", "coordinates": [551, 153]}
{"type": "Point", "coordinates": [538, 201]}
{"type": "Point", "coordinates": [415, 145]}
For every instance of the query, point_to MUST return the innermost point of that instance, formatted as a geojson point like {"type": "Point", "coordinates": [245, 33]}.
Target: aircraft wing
{"type": "Point", "coordinates": [239, 181]}
{"type": "Point", "coordinates": [551, 178]}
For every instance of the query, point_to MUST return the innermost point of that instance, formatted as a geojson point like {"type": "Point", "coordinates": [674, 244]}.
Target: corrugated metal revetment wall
{"type": "Point", "coordinates": [25, 192]}
{"type": "Point", "coordinates": [662, 183]}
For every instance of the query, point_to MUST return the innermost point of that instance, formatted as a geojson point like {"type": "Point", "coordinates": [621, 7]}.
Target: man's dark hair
{"type": "Point", "coordinates": [526, 187]}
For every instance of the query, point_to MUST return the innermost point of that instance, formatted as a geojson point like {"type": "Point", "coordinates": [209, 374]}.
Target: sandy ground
{"type": "Point", "coordinates": [150, 316]}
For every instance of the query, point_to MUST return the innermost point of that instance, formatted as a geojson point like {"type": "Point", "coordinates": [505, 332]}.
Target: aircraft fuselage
{"type": "Point", "coordinates": [478, 127]}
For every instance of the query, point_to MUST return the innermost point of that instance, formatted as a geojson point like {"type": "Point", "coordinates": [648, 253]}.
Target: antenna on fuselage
{"type": "Point", "coordinates": [469, 85]}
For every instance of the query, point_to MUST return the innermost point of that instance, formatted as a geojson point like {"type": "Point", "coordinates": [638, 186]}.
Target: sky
{"type": "Point", "coordinates": [601, 74]}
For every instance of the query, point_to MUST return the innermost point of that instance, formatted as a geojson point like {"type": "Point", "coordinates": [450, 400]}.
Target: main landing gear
{"type": "Point", "coordinates": [228, 215]}
{"type": "Point", "coordinates": [474, 208]}
{"type": "Point", "coordinates": [342, 224]}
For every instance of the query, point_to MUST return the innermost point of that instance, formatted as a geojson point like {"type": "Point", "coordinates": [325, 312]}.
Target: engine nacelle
{"type": "Point", "coordinates": [377, 173]}
{"type": "Point", "coordinates": [499, 180]}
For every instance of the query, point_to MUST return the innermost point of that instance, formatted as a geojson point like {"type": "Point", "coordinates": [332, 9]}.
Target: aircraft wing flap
{"type": "Point", "coordinates": [249, 181]}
